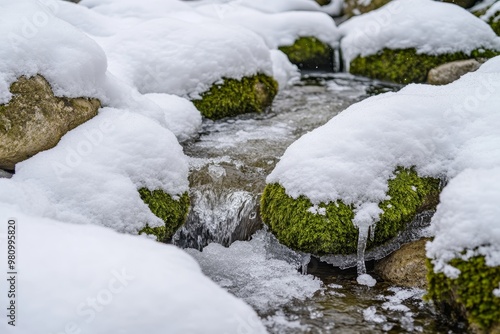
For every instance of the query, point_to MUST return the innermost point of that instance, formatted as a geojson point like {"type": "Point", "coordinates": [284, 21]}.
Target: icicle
{"type": "Point", "coordinates": [306, 258]}
{"type": "Point", "coordinates": [362, 240]}
{"type": "Point", "coordinates": [372, 231]}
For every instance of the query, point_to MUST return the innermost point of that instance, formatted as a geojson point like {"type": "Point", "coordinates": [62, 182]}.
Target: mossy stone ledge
{"type": "Point", "coordinates": [405, 66]}
{"type": "Point", "coordinates": [234, 97]}
{"type": "Point", "coordinates": [34, 119]}
{"type": "Point", "coordinates": [470, 296]}
{"type": "Point", "coordinates": [309, 53]}
{"type": "Point", "coordinates": [172, 211]}
{"type": "Point", "coordinates": [334, 232]}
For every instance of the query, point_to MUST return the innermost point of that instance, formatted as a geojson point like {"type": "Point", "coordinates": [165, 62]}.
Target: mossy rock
{"type": "Point", "coordinates": [172, 211]}
{"type": "Point", "coordinates": [34, 120]}
{"type": "Point", "coordinates": [470, 296]}
{"type": "Point", "coordinates": [494, 23]}
{"type": "Point", "coordinates": [334, 233]}
{"type": "Point", "coordinates": [405, 65]}
{"type": "Point", "coordinates": [234, 97]}
{"type": "Point", "coordinates": [323, 2]}
{"type": "Point", "coordinates": [356, 7]}
{"type": "Point", "coordinates": [309, 53]}
{"type": "Point", "coordinates": [463, 3]}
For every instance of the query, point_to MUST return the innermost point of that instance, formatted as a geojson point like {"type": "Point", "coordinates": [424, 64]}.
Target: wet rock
{"type": "Point", "coordinates": [406, 266]}
{"type": "Point", "coordinates": [309, 53]}
{"type": "Point", "coordinates": [34, 120]}
{"type": "Point", "coordinates": [323, 2]}
{"type": "Point", "coordinates": [449, 72]}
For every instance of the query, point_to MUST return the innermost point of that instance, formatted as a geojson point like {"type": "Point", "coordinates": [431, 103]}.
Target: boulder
{"type": "Point", "coordinates": [470, 296]}
{"type": "Point", "coordinates": [173, 211]}
{"type": "Point", "coordinates": [449, 72]}
{"type": "Point", "coordinates": [406, 266]}
{"type": "Point", "coordinates": [34, 120]}
{"type": "Point", "coordinates": [328, 228]}
{"type": "Point", "coordinates": [234, 97]}
{"type": "Point", "coordinates": [463, 3]}
{"type": "Point", "coordinates": [309, 53]}
{"type": "Point", "coordinates": [406, 66]}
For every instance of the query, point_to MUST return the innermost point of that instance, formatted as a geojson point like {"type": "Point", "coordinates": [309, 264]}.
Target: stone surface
{"type": "Point", "coordinates": [34, 120]}
{"type": "Point", "coordinates": [449, 72]}
{"type": "Point", "coordinates": [406, 266]}
{"type": "Point", "coordinates": [463, 3]}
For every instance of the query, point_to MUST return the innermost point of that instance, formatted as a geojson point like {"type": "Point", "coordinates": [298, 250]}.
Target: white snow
{"type": "Point", "coordinates": [93, 174]}
{"type": "Point", "coordinates": [370, 315]}
{"type": "Point", "coordinates": [284, 72]}
{"type": "Point", "coordinates": [447, 131]}
{"type": "Point", "coordinates": [246, 270]}
{"type": "Point", "coordinates": [431, 27]}
{"type": "Point", "coordinates": [496, 292]}
{"type": "Point", "coordinates": [367, 280]}
{"type": "Point", "coordinates": [29, 33]}
{"type": "Point", "coordinates": [491, 12]}
{"type": "Point", "coordinates": [87, 278]}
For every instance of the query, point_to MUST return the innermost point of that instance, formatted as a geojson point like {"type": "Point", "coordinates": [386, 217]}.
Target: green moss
{"type": "Point", "coordinates": [494, 22]}
{"type": "Point", "coordinates": [470, 296]}
{"type": "Point", "coordinates": [309, 53]}
{"type": "Point", "coordinates": [355, 7]}
{"type": "Point", "coordinates": [406, 66]}
{"type": "Point", "coordinates": [234, 97]}
{"type": "Point", "coordinates": [323, 2]}
{"type": "Point", "coordinates": [173, 212]}
{"type": "Point", "coordinates": [334, 232]}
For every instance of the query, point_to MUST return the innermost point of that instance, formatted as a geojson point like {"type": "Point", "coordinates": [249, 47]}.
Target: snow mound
{"type": "Point", "coordinates": [279, 29]}
{"type": "Point", "coordinates": [246, 270]}
{"type": "Point", "coordinates": [94, 173]}
{"type": "Point", "coordinates": [444, 131]}
{"type": "Point", "coordinates": [431, 27]}
{"type": "Point", "coordinates": [29, 34]}
{"type": "Point", "coordinates": [367, 280]}
{"type": "Point", "coordinates": [91, 279]}
{"type": "Point", "coordinates": [181, 58]}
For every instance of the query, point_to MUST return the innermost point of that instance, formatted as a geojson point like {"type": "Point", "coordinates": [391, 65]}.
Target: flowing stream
{"type": "Point", "coordinates": [291, 292]}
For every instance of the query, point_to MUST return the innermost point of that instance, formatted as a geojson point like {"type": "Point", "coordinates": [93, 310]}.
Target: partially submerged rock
{"type": "Point", "coordinates": [309, 53]}
{"type": "Point", "coordinates": [34, 120]}
{"type": "Point", "coordinates": [406, 65]}
{"type": "Point", "coordinates": [449, 72]}
{"type": "Point", "coordinates": [328, 228]}
{"type": "Point", "coordinates": [406, 266]}
{"type": "Point", "coordinates": [234, 97]}
{"type": "Point", "coordinates": [470, 296]}
{"type": "Point", "coordinates": [173, 211]}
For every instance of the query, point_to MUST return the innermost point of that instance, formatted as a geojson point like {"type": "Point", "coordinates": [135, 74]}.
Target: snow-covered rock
{"type": "Point", "coordinates": [412, 36]}
{"type": "Point", "coordinates": [87, 278]}
{"type": "Point", "coordinates": [93, 175]}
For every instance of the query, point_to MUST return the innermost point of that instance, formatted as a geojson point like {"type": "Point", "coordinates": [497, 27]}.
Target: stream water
{"type": "Point", "coordinates": [229, 164]}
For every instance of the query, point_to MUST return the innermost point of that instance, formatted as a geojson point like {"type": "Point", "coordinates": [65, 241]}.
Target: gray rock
{"type": "Point", "coordinates": [34, 120]}
{"type": "Point", "coordinates": [449, 72]}
{"type": "Point", "coordinates": [406, 266]}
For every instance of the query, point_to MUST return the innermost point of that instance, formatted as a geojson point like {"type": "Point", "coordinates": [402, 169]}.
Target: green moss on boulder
{"type": "Point", "coordinates": [356, 7]}
{"type": "Point", "coordinates": [323, 2]}
{"type": "Point", "coordinates": [172, 211]}
{"type": "Point", "coordinates": [34, 120]}
{"type": "Point", "coordinates": [234, 97]}
{"type": "Point", "coordinates": [470, 296]}
{"type": "Point", "coordinates": [309, 53]}
{"type": "Point", "coordinates": [405, 65]}
{"type": "Point", "coordinates": [334, 233]}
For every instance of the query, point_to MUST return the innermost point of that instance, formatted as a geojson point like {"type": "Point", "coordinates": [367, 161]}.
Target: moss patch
{"type": "Point", "coordinates": [494, 23]}
{"type": "Point", "coordinates": [406, 66]}
{"type": "Point", "coordinates": [234, 97]}
{"type": "Point", "coordinates": [172, 212]}
{"type": "Point", "coordinates": [355, 7]}
{"type": "Point", "coordinates": [323, 2]}
{"type": "Point", "coordinates": [309, 53]}
{"type": "Point", "coordinates": [470, 296]}
{"type": "Point", "coordinates": [334, 232]}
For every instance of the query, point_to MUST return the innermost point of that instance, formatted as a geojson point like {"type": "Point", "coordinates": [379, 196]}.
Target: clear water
{"type": "Point", "coordinates": [229, 164]}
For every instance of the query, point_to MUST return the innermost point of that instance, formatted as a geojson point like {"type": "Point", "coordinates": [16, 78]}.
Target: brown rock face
{"type": "Point", "coordinates": [449, 72]}
{"type": "Point", "coordinates": [34, 120]}
{"type": "Point", "coordinates": [406, 266]}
